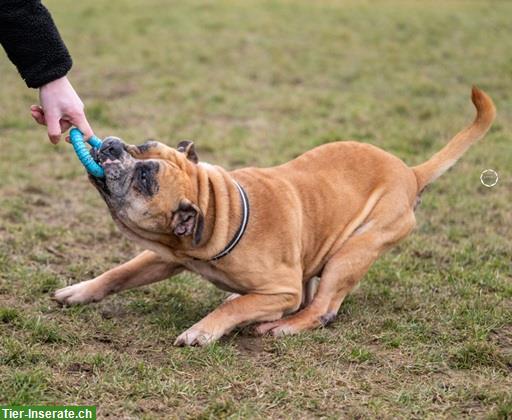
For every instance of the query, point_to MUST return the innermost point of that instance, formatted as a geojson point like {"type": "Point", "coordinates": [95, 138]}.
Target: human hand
{"type": "Point", "coordinates": [61, 108]}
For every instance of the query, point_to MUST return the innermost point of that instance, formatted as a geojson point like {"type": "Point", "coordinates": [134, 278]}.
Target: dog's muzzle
{"type": "Point", "coordinates": [118, 166]}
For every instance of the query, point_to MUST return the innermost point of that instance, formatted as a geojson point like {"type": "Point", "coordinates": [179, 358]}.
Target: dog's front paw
{"type": "Point", "coordinates": [194, 336]}
{"type": "Point", "coordinates": [83, 292]}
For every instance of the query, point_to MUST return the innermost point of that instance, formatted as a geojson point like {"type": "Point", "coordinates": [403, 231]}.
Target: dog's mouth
{"type": "Point", "coordinates": [118, 166]}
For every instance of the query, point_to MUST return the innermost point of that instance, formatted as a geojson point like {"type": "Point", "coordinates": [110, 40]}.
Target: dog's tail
{"type": "Point", "coordinates": [448, 155]}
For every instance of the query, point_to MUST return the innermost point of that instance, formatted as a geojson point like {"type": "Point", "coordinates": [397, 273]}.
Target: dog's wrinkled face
{"type": "Point", "coordinates": [147, 196]}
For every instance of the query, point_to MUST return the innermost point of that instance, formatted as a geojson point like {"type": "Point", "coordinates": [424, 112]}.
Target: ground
{"type": "Point", "coordinates": [429, 331]}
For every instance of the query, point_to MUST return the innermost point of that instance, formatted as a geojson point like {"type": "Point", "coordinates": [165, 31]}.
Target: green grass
{"type": "Point", "coordinates": [428, 333]}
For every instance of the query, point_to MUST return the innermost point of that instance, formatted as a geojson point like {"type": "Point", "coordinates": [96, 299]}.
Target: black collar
{"type": "Point", "coordinates": [243, 224]}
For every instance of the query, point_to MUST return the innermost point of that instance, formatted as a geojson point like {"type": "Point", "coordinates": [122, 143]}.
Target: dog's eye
{"type": "Point", "coordinates": [144, 178]}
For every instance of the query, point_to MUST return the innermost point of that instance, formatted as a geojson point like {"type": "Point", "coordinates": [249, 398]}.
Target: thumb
{"type": "Point", "coordinates": [84, 127]}
{"type": "Point", "coordinates": [54, 132]}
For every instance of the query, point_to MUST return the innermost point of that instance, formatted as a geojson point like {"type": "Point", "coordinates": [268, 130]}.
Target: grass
{"type": "Point", "coordinates": [428, 333]}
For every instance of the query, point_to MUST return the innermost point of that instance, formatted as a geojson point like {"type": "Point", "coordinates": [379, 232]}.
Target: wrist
{"type": "Point", "coordinates": [55, 84]}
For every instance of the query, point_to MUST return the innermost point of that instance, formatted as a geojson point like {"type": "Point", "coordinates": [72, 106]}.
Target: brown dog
{"type": "Point", "coordinates": [263, 234]}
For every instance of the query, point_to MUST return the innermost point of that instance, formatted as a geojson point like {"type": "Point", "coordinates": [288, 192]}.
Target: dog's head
{"type": "Point", "coordinates": [149, 189]}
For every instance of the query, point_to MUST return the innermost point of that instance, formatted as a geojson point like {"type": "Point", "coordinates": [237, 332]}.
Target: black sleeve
{"type": "Point", "coordinates": [32, 42]}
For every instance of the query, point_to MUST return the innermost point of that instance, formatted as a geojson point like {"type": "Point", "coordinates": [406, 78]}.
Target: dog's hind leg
{"type": "Point", "coordinates": [341, 274]}
{"type": "Point", "coordinates": [236, 312]}
{"type": "Point", "coordinates": [309, 291]}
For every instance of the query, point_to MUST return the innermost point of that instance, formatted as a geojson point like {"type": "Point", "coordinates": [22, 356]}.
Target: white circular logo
{"type": "Point", "coordinates": [489, 178]}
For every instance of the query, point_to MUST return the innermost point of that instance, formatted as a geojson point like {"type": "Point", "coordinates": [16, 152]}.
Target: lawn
{"type": "Point", "coordinates": [429, 331]}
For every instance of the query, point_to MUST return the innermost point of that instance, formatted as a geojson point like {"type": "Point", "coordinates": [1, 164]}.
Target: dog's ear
{"type": "Point", "coordinates": [187, 147]}
{"type": "Point", "coordinates": [188, 220]}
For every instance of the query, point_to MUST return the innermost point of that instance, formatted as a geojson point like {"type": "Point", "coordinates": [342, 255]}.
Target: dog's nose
{"type": "Point", "coordinates": [111, 148]}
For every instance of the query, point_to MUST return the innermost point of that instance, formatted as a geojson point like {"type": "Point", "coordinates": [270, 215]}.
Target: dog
{"type": "Point", "coordinates": [263, 234]}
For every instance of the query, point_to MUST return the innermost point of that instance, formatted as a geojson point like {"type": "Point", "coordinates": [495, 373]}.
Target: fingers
{"type": "Point", "coordinates": [65, 125]}
{"type": "Point", "coordinates": [58, 124]}
{"type": "Point", "coordinates": [54, 131]}
{"type": "Point", "coordinates": [38, 114]}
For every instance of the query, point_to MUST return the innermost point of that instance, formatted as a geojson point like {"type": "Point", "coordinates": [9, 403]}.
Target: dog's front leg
{"type": "Point", "coordinates": [238, 311]}
{"type": "Point", "coordinates": [148, 267]}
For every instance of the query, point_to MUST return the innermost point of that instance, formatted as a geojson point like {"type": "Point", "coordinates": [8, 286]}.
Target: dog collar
{"type": "Point", "coordinates": [243, 225]}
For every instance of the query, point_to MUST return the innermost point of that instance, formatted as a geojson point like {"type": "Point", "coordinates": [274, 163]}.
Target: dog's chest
{"type": "Point", "coordinates": [218, 277]}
